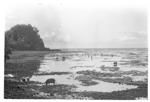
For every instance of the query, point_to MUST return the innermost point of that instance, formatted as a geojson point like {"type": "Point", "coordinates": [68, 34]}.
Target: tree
{"type": "Point", "coordinates": [7, 49]}
{"type": "Point", "coordinates": [24, 37]}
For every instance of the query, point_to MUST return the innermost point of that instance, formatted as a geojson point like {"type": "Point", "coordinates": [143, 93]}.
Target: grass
{"type": "Point", "coordinates": [115, 74]}
{"type": "Point", "coordinates": [17, 90]}
{"type": "Point", "coordinates": [53, 73]}
{"type": "Point", "coordinates": [25, 63]}
{"type": "Point", "coordinates": [20, 67]}
{"type": "Point", "coordinates": [26, 56]}
{"type": "Point", "coordinates": [86, 80]}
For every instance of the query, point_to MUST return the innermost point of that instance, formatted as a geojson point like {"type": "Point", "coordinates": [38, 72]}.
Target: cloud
{"type": "Point", "coordinates": [131, 36]}
{"type": "Point", "coordinates": [64, 25]}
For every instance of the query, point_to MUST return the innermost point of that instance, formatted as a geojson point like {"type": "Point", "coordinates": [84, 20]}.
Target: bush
{"type": "Point", "coordinates": [24, 37]}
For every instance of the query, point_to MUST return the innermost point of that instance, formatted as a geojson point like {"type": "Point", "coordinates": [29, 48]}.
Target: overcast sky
{"type": "Point", "coordinates": [76, 24]}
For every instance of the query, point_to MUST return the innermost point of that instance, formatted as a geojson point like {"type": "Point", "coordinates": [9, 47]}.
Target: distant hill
{"type": "Point", "coordinates": [24, 37]}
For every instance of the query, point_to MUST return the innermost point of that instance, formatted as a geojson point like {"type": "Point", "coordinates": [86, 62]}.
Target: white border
{"type": "Point", "coordinates": [103, 3]}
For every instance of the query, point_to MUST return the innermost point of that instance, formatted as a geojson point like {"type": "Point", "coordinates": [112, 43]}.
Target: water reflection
{"type": "Point", "coordinates": [77, 61]}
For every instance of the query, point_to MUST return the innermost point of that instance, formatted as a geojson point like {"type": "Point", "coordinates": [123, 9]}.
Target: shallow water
{"type": "Point", "coordinates": [92, 60]}
{"type": "Point", "coordinates": [106, 87]}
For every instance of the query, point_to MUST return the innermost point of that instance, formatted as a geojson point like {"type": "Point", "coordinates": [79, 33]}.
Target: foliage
{"type": "Point", "coordinates": [24, 37]}
{"type": "Point", "coordinates": [7, 49]}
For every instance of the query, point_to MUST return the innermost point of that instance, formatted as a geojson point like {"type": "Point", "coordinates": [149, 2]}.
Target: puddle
{"type": "Point", "coordinates": [60, 79]}
{"type": "Point", "coordinates": [75, 62]}
{"type": "Point", "coordinates": [100, 87]}
{"type": "Point", "coordinates": [106, 87]}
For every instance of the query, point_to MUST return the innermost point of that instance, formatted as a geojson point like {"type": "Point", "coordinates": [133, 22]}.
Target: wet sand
{"type": "Point", "coordinates": [77, 75]}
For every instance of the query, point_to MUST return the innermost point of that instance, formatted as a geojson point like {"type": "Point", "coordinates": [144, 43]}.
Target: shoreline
{"type": "Point", "coordinates": [25, 64]}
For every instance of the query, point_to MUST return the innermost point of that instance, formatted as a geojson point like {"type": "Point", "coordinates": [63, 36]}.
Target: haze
{"type": "Point", "coordinates": [76, 24]}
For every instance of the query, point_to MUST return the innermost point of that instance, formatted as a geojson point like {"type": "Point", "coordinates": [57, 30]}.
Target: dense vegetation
{"type": "Point", "coordinates": [23, 37]}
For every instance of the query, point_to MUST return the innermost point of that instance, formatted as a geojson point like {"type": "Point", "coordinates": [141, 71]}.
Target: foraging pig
{"type": "Point", "coordinates": [49, 81]}
{"type": "Point", "coordinates": [25, 79]}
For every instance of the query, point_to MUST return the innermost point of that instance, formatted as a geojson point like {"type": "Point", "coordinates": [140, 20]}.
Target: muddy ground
{"type": "Point", "coordinates": [24, 64]}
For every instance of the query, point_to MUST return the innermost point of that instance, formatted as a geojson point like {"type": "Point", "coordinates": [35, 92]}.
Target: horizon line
{"type": "Point", "coordinates": [101, 48]}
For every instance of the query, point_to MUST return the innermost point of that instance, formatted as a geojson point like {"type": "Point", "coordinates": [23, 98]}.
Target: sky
{"type": "Point", "coordinates": [82, 23]}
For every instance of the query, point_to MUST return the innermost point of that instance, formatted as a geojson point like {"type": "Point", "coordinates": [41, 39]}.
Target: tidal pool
{"type": "Point", "coordinates": [92, 61]}
{"type": "Point", "coordinates": [100, 87]}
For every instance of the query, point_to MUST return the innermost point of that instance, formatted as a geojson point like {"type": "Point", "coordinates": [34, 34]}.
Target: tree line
{"type": "Point", "coordinates": [23, 37]}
